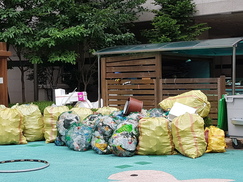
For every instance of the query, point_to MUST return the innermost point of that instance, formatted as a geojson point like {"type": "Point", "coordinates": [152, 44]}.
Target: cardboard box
{"type": "Point", "coordinates": [180, 109]}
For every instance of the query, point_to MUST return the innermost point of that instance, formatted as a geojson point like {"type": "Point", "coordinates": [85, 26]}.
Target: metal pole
{"type": "Point", "coordinates": [35, 83]}
{"type": "Point", "coordinates": [99, 89]}
{"type": "Point", "coordinates": [233, 69]}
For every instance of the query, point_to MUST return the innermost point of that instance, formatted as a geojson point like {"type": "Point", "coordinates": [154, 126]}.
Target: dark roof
{"type": "Point", "coordinates": [209, 47]}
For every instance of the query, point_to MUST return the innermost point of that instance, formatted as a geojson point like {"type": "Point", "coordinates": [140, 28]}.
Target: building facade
{"type": "Point", "coordinates": [223, 16]}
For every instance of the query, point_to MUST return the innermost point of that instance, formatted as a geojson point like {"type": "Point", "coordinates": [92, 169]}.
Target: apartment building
{"type": "Point", "coordinates": [225, 17]}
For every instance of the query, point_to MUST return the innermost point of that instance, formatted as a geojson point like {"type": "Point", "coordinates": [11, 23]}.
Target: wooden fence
{"type": "Point", "coordinates": [139, 76]}
{"type": "Point", "coordinates": [142, 89]}
{"type": "Point", "coordinates": [131, 75]}
{"type": "Point", "coordinates": [4, 54]}
{"type": "Point", "coordinates": [213, 88]}
{"type": "Point", "coordinates": [119, 90]}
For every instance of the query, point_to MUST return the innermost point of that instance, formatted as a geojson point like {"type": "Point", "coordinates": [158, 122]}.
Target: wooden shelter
{"type": "Point", "coordinates": [136, 71]}
{"type": "Point", "coordinates": [4, 54]}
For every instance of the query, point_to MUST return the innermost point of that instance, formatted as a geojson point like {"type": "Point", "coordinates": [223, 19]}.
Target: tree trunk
{"type": "Point", "coordinates": [22, 70]}
{"type": "Point", "coordinates": [23, 85]}
{"type": "Point", "coordinates": [80, 62]}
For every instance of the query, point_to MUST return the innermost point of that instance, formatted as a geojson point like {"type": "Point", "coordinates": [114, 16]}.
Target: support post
{"type": "Point", "coordinates": [4, 54]}
{"type": "Point", "coordinates": [233, 69]}
{"type": "Point", "coordinates": [36, 91]}
{"type": "Point", "coordinates": [99, 84]}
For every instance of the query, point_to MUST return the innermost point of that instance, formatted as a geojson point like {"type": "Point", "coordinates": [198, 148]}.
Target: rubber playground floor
{"type": "Point", "coordinates": [66, 165]}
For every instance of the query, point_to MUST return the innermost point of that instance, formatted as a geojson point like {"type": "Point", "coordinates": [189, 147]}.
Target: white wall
{"type": "Point", "coordinates": [14, 87]}
{"type": "Point", "coordinates": [148, 16]}
{"type": "Point", "coordinates": [210, 7]}
{"type": "Point", "coordinates": [203, 7]}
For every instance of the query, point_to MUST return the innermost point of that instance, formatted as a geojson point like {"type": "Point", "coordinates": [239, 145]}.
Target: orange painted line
{"type": "Point", "coordinates": [21, 139]}
{"type": "Point", "coordinates": [179, 137]}
{"type": "Point", "coordinates": [194, 135]}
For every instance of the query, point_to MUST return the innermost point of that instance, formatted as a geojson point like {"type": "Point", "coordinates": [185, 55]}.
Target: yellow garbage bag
{"type": "Point", "coordinates": [11, 127]}
{"type": "Point", "coordinates": [155, 137]}
{"type": "Point", "coordinates": [107, 110]}
{"type": "Point", "coordinates": [188, 135]}
{"type": "Point", "coordinates": [33, 126]}
{"type": "Point", "coordinates": [194, 98]}
{"type": "Point", "coordinates": [215, 139]}
{"type": "Point", "coordinates": [2, 107]}
{"type": "Point", "coordinates": [51, 114]}
{"type": "Point", "coordinates": [82, 112]}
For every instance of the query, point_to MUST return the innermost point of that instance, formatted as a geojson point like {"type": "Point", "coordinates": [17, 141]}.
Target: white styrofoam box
{"type": "Point", "coordinates": [85, 103]}
{"type": "Point", "coordinates": [61, 98]}
{"type": "Point", "coordinates": [97, 103]}
{"type": "Point", "coordinates": [180, 109]}
{"type": "Point", "coordinates": [235, 115]}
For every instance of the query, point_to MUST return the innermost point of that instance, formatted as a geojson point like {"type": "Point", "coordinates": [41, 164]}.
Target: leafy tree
{"type": "Point", "coordinates": [65, 30]}
{"type": "Point", "coordinates": [174, 22]}
{"type": "Point", "coordinates": [48, 75]}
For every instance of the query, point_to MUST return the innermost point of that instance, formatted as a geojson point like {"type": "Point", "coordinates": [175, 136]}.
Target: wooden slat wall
{"type": "Point", "coordinates": [144, 90]}
{"type": "Point", "coordinates": [139, 76]}
{"type": "Point", "coordinates": [214, 88]}
{"type": "Point", "coordinates": [134, 75]}
{"type": "Point", "coordinates": [3, 73]}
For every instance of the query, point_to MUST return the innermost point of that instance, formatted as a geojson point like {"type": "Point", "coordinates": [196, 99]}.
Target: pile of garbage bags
{"type": "Point", "coordinates": [20, 124]}
{"type": "Point", "coordinates": [108, 131]}
{"type": "Point", "coordinates": [149, 132]}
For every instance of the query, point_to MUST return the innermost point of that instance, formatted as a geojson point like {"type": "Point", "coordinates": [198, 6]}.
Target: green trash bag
{"type": "Point", "coordinates": [222, 115]}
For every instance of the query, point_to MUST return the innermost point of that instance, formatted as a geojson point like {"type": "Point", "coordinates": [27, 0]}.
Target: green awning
{"type": "Point", "coordinates": [209, 47]}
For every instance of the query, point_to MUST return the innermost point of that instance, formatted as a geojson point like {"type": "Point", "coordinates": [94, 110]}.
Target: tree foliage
{"type": "Point", "coordinates": [66, 30]}
{"type": "Point", "coordinates": [50, 30]}
{"type": "Point", "coordinates": [174, 22]}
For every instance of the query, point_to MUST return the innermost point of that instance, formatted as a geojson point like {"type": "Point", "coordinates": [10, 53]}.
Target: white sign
{"type": "Point", "coordinates": [1, 80]}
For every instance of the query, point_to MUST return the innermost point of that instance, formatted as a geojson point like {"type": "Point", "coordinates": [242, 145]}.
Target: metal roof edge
{"type": "Point", "coordinates": [160, 49]}
{"type": "Point", "coordinates": [240, 39]}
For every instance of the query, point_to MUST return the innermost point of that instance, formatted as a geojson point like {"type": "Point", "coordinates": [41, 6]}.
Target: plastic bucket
{"type": "Point", "coordinates": [132, 105]}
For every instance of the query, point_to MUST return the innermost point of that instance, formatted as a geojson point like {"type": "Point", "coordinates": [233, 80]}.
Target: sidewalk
{"type": "Point", "coordinates": [71, 166]}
